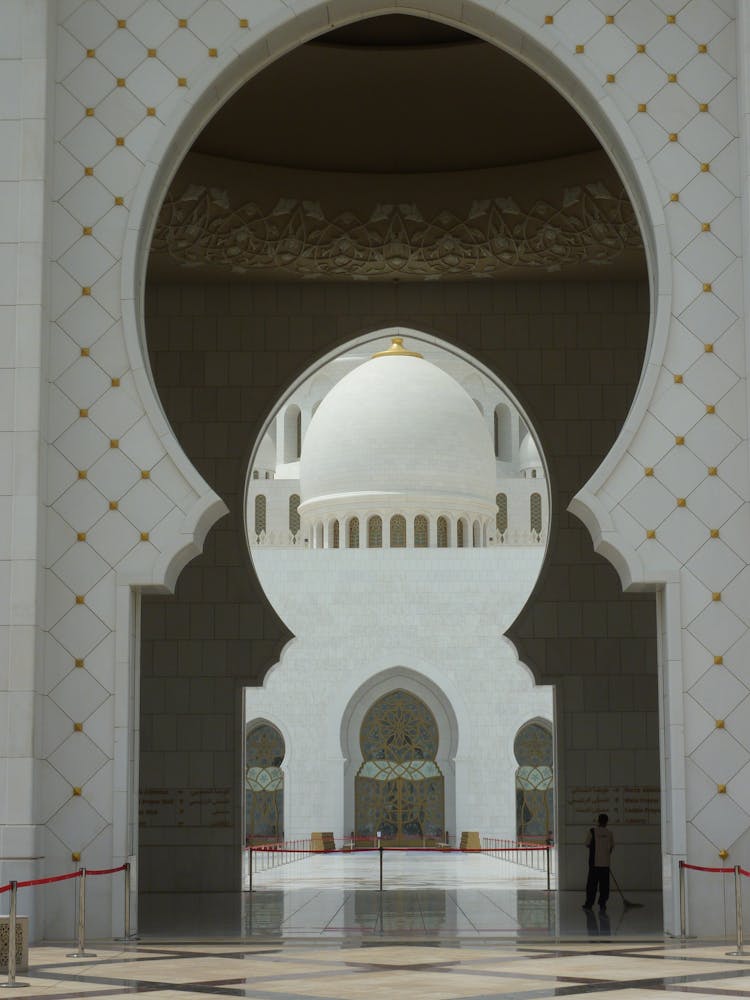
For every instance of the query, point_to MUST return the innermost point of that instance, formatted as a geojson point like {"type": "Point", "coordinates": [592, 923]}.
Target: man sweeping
{"type": "Point", "coordinates": [600, 843]}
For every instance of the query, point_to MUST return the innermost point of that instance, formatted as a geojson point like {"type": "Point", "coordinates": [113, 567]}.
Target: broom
{"type": "Point", "coordinates": [625, 902]}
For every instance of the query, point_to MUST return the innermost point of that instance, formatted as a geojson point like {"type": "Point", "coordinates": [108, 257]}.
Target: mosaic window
{"type": "Point", "coordinates": [260, 514]}
{"type": "Point", "coordinates": [460, 534]}
{"type": "Point", "coordinates": [375, 532]}
{"type": "Point", "coordinates": [442, 532]}
{"type": "Point", "coordinates": [398, 532]}
{"type": "Point", "coordinates": [421, 532]}
{"type": "Point", "coordinates": [501, 517]}
{"type": "Point", "coordinates": [354, 533]}
{"type": "Point", "coordinates": [535, 512]}
{"type": "Point", "coordinates": [534, 782]}
{"type": "Point", "coordinates": [294, 514]}
{"type": "Point", "coordinates": [335, 537]}
{"type": "Point", "coordinates": [264, 785]}
{"type": "Point", "coordinates": [399, 788]}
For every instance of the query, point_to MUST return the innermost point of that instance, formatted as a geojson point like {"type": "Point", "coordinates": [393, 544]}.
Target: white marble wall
{"type": "Point", "coordinates": [426, 620]}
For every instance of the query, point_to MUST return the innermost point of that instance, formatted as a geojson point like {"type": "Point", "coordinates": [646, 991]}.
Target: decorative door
{"type": "Point", "coordinates": [399, 789]}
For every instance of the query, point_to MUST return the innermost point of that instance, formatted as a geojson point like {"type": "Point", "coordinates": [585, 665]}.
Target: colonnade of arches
{"type": "Point", "coordinates": [397, 531]}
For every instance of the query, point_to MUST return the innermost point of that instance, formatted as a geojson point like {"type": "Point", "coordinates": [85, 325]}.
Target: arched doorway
{"type": "Point", "coordinates": [534, 782]}
{"type": "Point", "coordinates": [264, 784]}
{"type": "Point", "coordinates": [551, 664]}
{"type": "Point", "coordinates": [399, 789]}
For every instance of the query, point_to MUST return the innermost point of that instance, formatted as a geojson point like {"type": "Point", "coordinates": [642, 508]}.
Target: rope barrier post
{"type": "Point", "coordinates": [11, 984]}
{"type": "Point", "coordinates": [80, 951]}
{"type": "Point", "coordinates": [683, 910]}
{"type": "Point", "coordinates": [738, 911]}
{"type": "Point", "coordinates": [547, 860]}
{"type": "Point", "coordinates": [380, 849]}
{"type": "Point", "coordinates": [250, 864]}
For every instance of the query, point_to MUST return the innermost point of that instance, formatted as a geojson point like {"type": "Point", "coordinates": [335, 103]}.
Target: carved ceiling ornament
{"type": "Point", "coordinates": [563, 225]}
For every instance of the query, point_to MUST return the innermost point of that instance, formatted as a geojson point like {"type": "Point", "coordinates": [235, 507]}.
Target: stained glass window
{"type": "Point", "coordinates": [260, 514]}
{"type": "Point", "coordinates": [294, 514]}
{"type": "Point", "coordinates": [399, 788]}
{"type": "Point", "coordinates": [535, 512]}
{"type": "Point", "coordinates": [442, 532]}
{"type": "Point", "coordinates": [264, 784]}
{"type": "Point", "coordinates": [421, 532]}
{"type": "Point", "coordinates": [460, 534]}
{"type": "Point", "coordinates": [501, 517]}
{"type": "Point", "coordinates": [335, 535]}
{"type": "Point", "coordinates": [354, 533]}
{"type": "Point", "coordinates": [375, 532]}
{"type": "Point", "coordinates": [398, 531]}
{"type": "Point", "coordinates": [534, 782]}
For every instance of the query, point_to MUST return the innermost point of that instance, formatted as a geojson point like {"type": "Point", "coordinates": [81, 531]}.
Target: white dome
{"type": "Point", "coordinates": [528, 454]}
{"type": "Point", "coordinates": [397, 427]}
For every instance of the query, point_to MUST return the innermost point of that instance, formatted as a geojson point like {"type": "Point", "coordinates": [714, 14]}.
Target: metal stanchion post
{"type": "Point", "coordinates": [683, 911]}
{"type": "Point", "coordinates": [250, 864]}
{"type": "Point", "coordinates": [80, 951]}
{"type": "Point", "coordinates": [380, 849]}
{"type": "Point", "coordinates": [11, 984]}
{"type": "Point", "coordinates": [738, 910]}
{"type": "Point", "coordinates": [547, 859]}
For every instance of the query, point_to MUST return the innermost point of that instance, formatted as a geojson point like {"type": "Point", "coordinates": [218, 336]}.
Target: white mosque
{"type": "Point", "coordinates": [398, 445]}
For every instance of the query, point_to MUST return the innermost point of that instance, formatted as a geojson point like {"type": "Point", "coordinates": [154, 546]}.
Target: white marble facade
{"type": "Point", "coordinates": [99, 100]}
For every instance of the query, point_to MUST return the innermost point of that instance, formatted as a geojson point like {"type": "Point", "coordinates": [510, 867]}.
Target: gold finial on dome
{"type": "Point", "coordinates": [397, 350]}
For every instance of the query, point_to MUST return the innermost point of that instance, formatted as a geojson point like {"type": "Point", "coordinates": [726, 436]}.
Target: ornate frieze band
{"type": "Point", "coordinates": [591, 225]}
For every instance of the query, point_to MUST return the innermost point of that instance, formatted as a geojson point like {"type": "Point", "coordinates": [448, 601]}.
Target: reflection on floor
{"type": "Point", "coordinates": [426, 895]}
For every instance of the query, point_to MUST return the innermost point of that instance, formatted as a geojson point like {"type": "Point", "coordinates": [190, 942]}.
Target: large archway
{"type": "Point", "coordinates": [551, 645]}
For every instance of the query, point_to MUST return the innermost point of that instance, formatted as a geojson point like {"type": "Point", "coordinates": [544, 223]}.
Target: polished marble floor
{"type": "Point", "coordinates": [446, 927]}
{"type": "Point", "coordinates": [375, 970]}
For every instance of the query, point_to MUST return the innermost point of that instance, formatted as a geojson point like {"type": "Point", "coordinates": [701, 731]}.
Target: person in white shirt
{"type": "Point", "coordinates": [600, 843]}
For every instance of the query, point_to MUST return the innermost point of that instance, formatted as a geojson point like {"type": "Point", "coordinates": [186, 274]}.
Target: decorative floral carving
{"type": "Point", "coordinates": [591, 225]}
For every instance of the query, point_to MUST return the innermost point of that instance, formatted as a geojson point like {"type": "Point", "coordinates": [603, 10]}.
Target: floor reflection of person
{"type": "Point", "coordinates": [600, 843]}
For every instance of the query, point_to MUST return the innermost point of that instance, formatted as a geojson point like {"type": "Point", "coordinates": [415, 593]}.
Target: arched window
{"type": "Point", "coordinates": [442, 532]}
{"type": "Point", "coordinates": [503, 433]}
{"type": "Point", "coordinates": [319, 535]}
{"type": "Point", "coordinates": [421, 532]}
{"type": "Point", "coordinates": [398, 531]}
{"type": "Point", "coordinates": [535, 513]}
{"type": "Point", "coordinates": [501, 517]}
{"type": "Point", "coordinates": [375, 532]}
{"type": "Point", "coordinates": [399, 788]}
{"type": "Point", "coordinates": [353, 541]}
{"type": "Point", "coordinates": [460, 534]}
{"type": "Point", "coordinates": [476, 535]}
{"type": "Point", "coordinates": [335, 535]}
{"type": "Point", "coordinates": [534, 782]}
{"type": "Point", "coordinates": [292, 434]}
{"type": "Point", "coordinates": [264, 784]}
{"type": "Point", "coordinates": [294, 515]}
{"type": "Point", "coordinates": [260, 514]}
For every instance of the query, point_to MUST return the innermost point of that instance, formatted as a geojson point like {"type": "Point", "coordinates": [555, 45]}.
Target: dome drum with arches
{"type": "Point", "coordinates": [398, 437]}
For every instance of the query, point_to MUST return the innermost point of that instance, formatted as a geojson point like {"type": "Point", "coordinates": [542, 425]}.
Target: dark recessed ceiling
{"type": "Point", "coordinates": [396, 94]}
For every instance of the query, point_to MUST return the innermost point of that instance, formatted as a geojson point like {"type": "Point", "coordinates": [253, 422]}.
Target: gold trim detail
{"type": "Point", "coordinates": [397, 350]}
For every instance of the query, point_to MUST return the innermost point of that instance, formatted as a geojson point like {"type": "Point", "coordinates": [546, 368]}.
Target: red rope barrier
{"type": "Point", "coordinates": [4, 888]}
{"type": "Point", "coordinates": [414, 850]}
{"type": "Point", "coordinates": [105, 871]}
{"type": "Point", "coordinates": [47, 881]}
{"type": "Point", "coordinates": [700, 868]}
{"type": "Point", "coordinates": [744, 872]}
